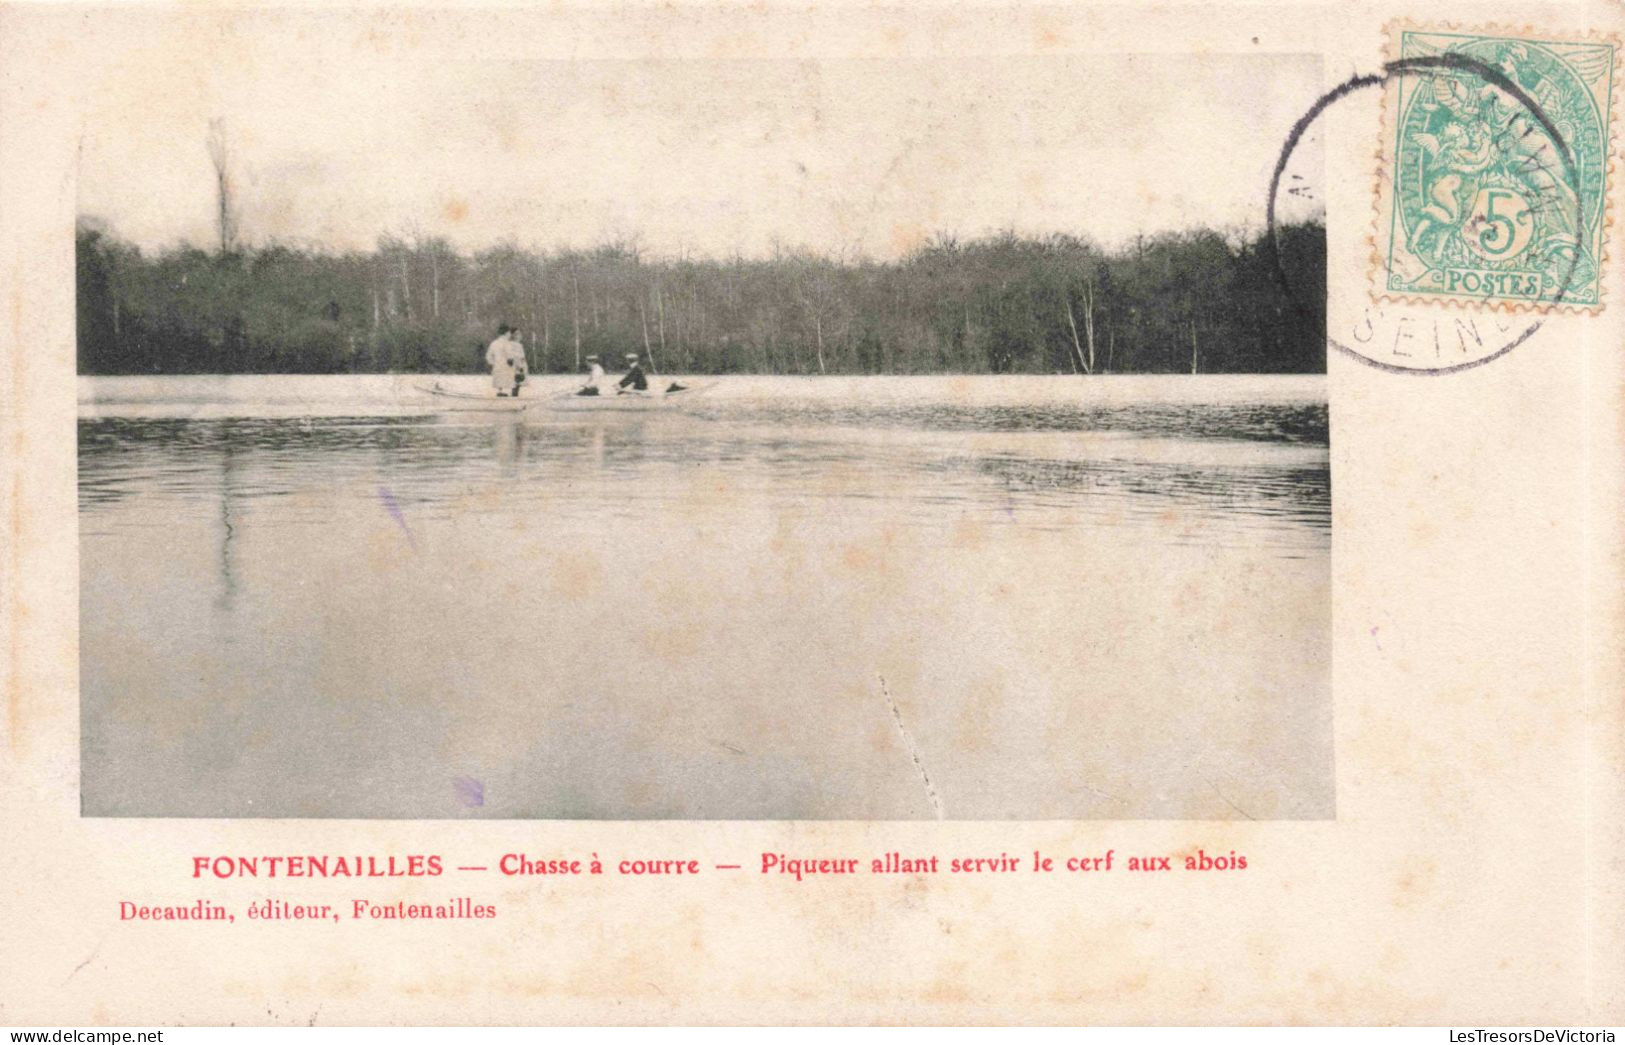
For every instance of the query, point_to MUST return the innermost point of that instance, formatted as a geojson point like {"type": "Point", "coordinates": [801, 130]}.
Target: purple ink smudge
{"type": "Point", "coordinates": [395, 513]}
{"type": "Point", "coordinates": [470, 792]}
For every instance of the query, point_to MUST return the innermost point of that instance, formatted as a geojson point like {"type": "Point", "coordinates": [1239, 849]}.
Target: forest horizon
{"type": "Point", "coordinates": [1200, 300]}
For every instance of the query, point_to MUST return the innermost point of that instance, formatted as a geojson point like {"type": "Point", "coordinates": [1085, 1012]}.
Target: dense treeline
{"type": "Point", "coordinates": [1192, 301]}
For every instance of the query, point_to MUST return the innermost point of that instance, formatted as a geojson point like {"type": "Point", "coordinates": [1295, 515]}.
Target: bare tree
{"type": "Point", "coordinates": [1088, 323]}
{"type": "Point", "coordinates": [225, 199]}
{"type": "Point", "coordinates": [575, 308]}
{"type": "Point", "coordinates": [434, 277]}
{"type": "Point", "coordinates": [540, 293]}
{"type": "Point", "coordinates": [660, 313]}
{"type": "Point", "coordinates": [816, 290]}
{"type": "Point", "coordinates": [634, 250]}
{"type": "Point", "coordinates": [441, 255]}
{"type": "Point", "coordinates": [1077, 351]}
{"type": "Point", "coordinates": [643, 314]}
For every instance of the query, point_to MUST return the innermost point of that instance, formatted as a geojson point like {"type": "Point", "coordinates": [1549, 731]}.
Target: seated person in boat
{"type": "Point", "coordinates": [634, 375]}
{"type": "Point", "coordinates": [506, 358]}
{"type": "Point", "coordinates": [595, 378]}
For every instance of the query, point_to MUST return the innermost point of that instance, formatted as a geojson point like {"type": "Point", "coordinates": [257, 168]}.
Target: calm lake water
{"type": "Point", "coordinates": [787, 598]}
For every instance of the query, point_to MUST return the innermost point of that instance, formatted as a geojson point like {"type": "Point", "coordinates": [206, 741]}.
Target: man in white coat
{"type": "Point", "coordinates": [506, 358]}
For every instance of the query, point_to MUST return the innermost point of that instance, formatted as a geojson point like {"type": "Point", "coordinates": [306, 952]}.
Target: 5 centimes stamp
{"type": "Point", "coordinates": [1493, 185]}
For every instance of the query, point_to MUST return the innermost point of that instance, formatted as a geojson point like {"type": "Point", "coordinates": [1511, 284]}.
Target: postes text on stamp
{"type": "Point", "coordinates": [1493, 183]}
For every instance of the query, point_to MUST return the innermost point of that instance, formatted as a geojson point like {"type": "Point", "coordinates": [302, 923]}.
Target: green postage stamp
{"type": "Point", "coordinates": [1495, 172]}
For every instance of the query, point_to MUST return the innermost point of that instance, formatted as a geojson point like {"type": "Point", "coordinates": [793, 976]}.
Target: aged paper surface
{"type": "Point", "coordinates": [865, 673]}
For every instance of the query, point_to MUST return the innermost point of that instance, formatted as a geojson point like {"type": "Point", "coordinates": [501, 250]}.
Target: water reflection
{"type": "Point", "coordinates": [1304, 423]}
{"type": "Point", "coordinates": [312, 607]}
{"type": "Point", "coordinates": [508, 439]}
{"type": "Point", "coordinates": [1259, 479]}
{"type": "Point", "coordinates": [228, 492]}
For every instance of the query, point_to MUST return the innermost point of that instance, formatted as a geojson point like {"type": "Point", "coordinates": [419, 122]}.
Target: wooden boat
{"type": "Point", "coordinates": [454, 400]}
{"type": "Point", "coordinates": [451, 399]}
{"type": "Point", "coordinates": [650, 400]}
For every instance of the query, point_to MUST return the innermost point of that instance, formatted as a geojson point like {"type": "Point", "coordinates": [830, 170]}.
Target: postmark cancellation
{"type": "Point", "coordinates": [1495, 168]}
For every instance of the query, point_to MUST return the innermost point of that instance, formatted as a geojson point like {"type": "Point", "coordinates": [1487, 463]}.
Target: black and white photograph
{"type": "Point", "coordinates": [701, 439]}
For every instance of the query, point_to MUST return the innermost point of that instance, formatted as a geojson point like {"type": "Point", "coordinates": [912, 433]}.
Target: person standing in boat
{"type": "Point", "coordinates": [506, 358]}
{"type": "Point", "coordinates": [595, 378]}
{"type": "Point", "coordinates": [635, 376]}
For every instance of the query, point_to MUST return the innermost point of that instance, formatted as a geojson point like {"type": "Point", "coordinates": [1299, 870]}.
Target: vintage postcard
{"type": "Point", "coordinates": [697, 512]}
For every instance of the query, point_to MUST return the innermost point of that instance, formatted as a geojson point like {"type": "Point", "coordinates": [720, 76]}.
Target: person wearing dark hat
{"type": "Point", "coordinates": [595, 378]}
{"type": "Point", "coordinates": [634, 375]}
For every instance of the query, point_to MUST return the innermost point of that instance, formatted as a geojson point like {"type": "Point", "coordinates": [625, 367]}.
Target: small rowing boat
{"type": "Point", "coordinates": [649, 400]}
{"type": "Point", "coordinates": [454, 400]}
{"type": "Point", "coordinates": [450, 399]}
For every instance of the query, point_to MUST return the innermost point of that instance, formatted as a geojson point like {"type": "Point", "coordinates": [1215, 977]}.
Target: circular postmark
{"type": "Point", "coordinates": [1492, 224]}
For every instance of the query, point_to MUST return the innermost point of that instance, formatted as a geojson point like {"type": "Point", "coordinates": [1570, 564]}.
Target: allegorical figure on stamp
{"type": "Point", "coordinates": [1498, 185]}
